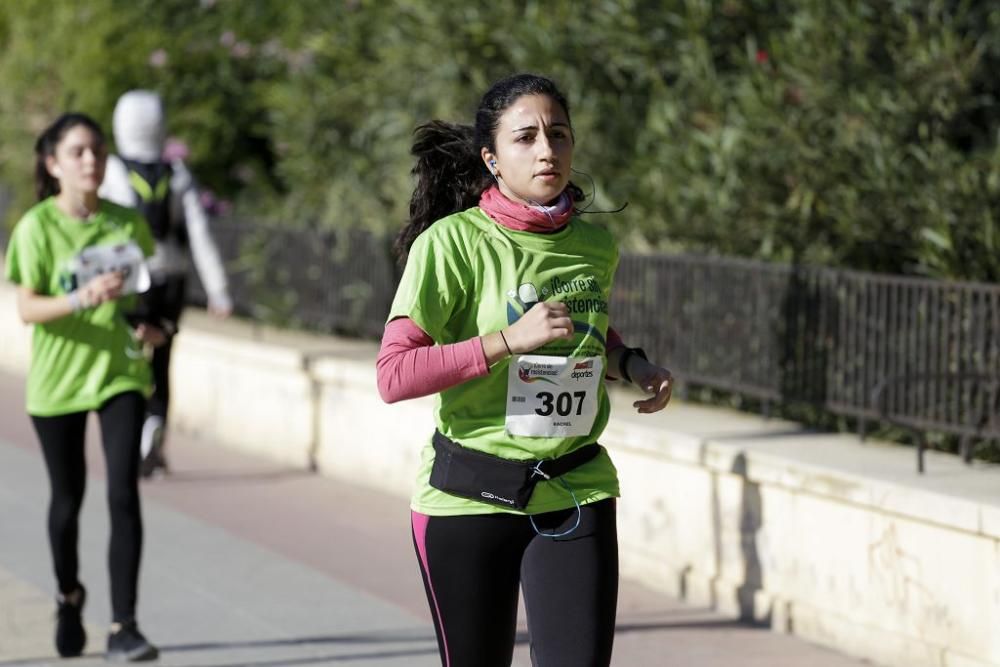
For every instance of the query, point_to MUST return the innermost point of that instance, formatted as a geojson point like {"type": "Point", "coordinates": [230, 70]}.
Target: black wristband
{"type": "Point", "coordinates": [623, 361]}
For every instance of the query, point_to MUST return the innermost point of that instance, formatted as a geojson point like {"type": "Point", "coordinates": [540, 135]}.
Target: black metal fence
{"type": "Point", "coordinates": [919, 353]}
{"type": "Point", "coordinates": [923, 354]}
{"type": "Point", "coordinates": [336, 282]}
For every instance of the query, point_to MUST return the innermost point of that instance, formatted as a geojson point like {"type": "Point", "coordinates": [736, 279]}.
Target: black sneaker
{"type": "Point", "coordinates": [151, 446]}
{"type": "Point", "coordinates": [70, 635]}
{"type": "Point", "coordinates": [126, 644]}
{"type": "Point", "coordinates": [153, 465]}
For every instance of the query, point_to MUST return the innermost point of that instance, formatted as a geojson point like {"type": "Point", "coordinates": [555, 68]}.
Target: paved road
{"type": "Point", "coordinates": [251, 563]}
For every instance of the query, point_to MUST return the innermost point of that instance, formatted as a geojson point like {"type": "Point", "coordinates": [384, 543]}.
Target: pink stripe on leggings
{"type": "Point", "coordinates": [419, 522]}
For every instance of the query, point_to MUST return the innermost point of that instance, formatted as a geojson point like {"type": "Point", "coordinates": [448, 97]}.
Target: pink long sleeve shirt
{"type": "Point", "coordinates": [410, 365]}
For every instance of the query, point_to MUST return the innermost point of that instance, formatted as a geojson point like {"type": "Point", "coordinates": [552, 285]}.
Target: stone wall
{"type": "Point", "coordinates": [819, 535]}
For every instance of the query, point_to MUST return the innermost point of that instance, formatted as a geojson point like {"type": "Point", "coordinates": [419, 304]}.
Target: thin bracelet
{"type": "Point", "coordinates": [504, 338]}
{"type": "Point", "coordinates": [74, 301]}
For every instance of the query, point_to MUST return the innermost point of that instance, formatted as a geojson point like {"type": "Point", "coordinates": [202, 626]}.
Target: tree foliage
{"type": "Point", "coordinates": [859, 133]}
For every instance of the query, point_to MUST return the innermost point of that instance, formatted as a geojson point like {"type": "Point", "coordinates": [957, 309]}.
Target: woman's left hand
{"type": "Point", "coordinates": [147, 333]}
{"type": "Point", "coordinates": [652, 379]}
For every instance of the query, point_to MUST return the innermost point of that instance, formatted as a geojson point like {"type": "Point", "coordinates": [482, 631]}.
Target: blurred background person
{"type": "Point", "coordinates": [162, 188]}
{"type": "Point", "coordinates": [77, 260]}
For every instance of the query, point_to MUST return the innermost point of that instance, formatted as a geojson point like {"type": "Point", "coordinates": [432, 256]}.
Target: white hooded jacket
{"type": "Point", "coordinates": [139, 131]}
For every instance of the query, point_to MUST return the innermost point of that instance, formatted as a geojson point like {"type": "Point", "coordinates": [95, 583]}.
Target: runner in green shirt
{"type": "Point", "coordinates": [78, 261]}
{"type": "Point", "coordinates": [502, 311]}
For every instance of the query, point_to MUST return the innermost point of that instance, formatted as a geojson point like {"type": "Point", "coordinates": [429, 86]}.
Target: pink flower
{"type": "Point", "coordinates": [240, 50]}
{"type": "Point", "coordinates": [213, 205]}
{"type": "Point", "coordinates": [158, 58]}
{"type": "Point", "coordinates": [175, 149]}
{"type": "Point", "coordinates": [228, 38]}
{"type": "Point", "coordinates": [207, 199]}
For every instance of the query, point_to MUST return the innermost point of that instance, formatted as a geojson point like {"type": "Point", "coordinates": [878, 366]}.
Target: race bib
{"type": "Point", "coordinates": [124, 257]}
{"type": "Point", "coordinates": [552, 397]}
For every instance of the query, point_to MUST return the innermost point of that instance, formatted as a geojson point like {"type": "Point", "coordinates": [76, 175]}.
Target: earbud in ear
{"type": "Point", "coordinates": [493, 167]}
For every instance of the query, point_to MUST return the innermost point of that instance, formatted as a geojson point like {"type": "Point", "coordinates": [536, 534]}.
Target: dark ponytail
{"type": "Point", "coordinates": [450, 172]}
{"type": "Point", "coordinates": [47, 185]}
{"type": "Point", "coordinates": [450, 178]}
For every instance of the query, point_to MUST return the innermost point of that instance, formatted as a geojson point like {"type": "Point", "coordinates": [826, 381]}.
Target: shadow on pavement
{"type": "Point", "coordinates": [690, 613]}
{"type": "Point", "coordinates": [228, 476]}
{"type": "Point", "coordinates": [722, 624]}
{"type": "Point", "coordinates": [406, 637]}
{"type": "Point", "coordinates": [331, 659]}
{"type": "Point", "coordinates": [363, 638]}
{"type": "Point", "coordinates": [275, 662]}
{"type": "Point", "coordinates": [415, 636]}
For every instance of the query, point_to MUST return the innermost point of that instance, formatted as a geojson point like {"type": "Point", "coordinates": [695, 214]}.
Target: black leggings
{"type": "Point", "coordinates": [472, 566]}
{"type": "Point", "coordinates": [165, 300]}
{"type": "Point", "coordinates": [62, 439]}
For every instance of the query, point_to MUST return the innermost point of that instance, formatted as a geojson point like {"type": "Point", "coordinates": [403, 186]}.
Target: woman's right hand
{"type": "Point", "coordinates": [105, 287]}
{"type": "Point", "coordinates": [544, 322]}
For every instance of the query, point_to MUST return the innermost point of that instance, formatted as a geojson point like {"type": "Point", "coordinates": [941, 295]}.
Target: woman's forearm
{"type": "Point", "coordinates": [38, 309]}
{"type": "Point", "coordinates": [410, 365]}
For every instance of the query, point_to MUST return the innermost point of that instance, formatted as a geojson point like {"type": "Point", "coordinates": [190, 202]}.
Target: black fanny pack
{"type": "Point", "coordinates": [477, 475]}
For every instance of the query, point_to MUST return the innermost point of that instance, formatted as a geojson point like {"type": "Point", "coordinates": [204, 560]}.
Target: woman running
{"type": "Point", "coordinates": [502, 311]}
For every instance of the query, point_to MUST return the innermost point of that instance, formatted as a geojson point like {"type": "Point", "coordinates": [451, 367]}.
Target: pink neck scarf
{"type": "Point", "coordinates": [523, 218]}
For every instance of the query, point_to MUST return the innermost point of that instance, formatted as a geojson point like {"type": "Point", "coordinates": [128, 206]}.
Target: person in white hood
{"type": "Point", "coordinates": [165, 192]}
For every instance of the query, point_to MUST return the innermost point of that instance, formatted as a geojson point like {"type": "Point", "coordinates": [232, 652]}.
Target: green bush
{"type": "Point", "coordinates": [859, 134]}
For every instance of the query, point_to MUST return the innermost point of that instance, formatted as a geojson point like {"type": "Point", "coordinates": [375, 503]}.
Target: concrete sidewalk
{"type": "Point", "coordinates": [209, 597]}
{"type": "Point", "coordinates": [250, 563]}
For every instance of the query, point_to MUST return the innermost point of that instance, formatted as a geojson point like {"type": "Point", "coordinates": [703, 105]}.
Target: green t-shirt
{"type": "Point", "coordinates": [467, 276]}
{"type": "Point", "coordinates": [79, 361]}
